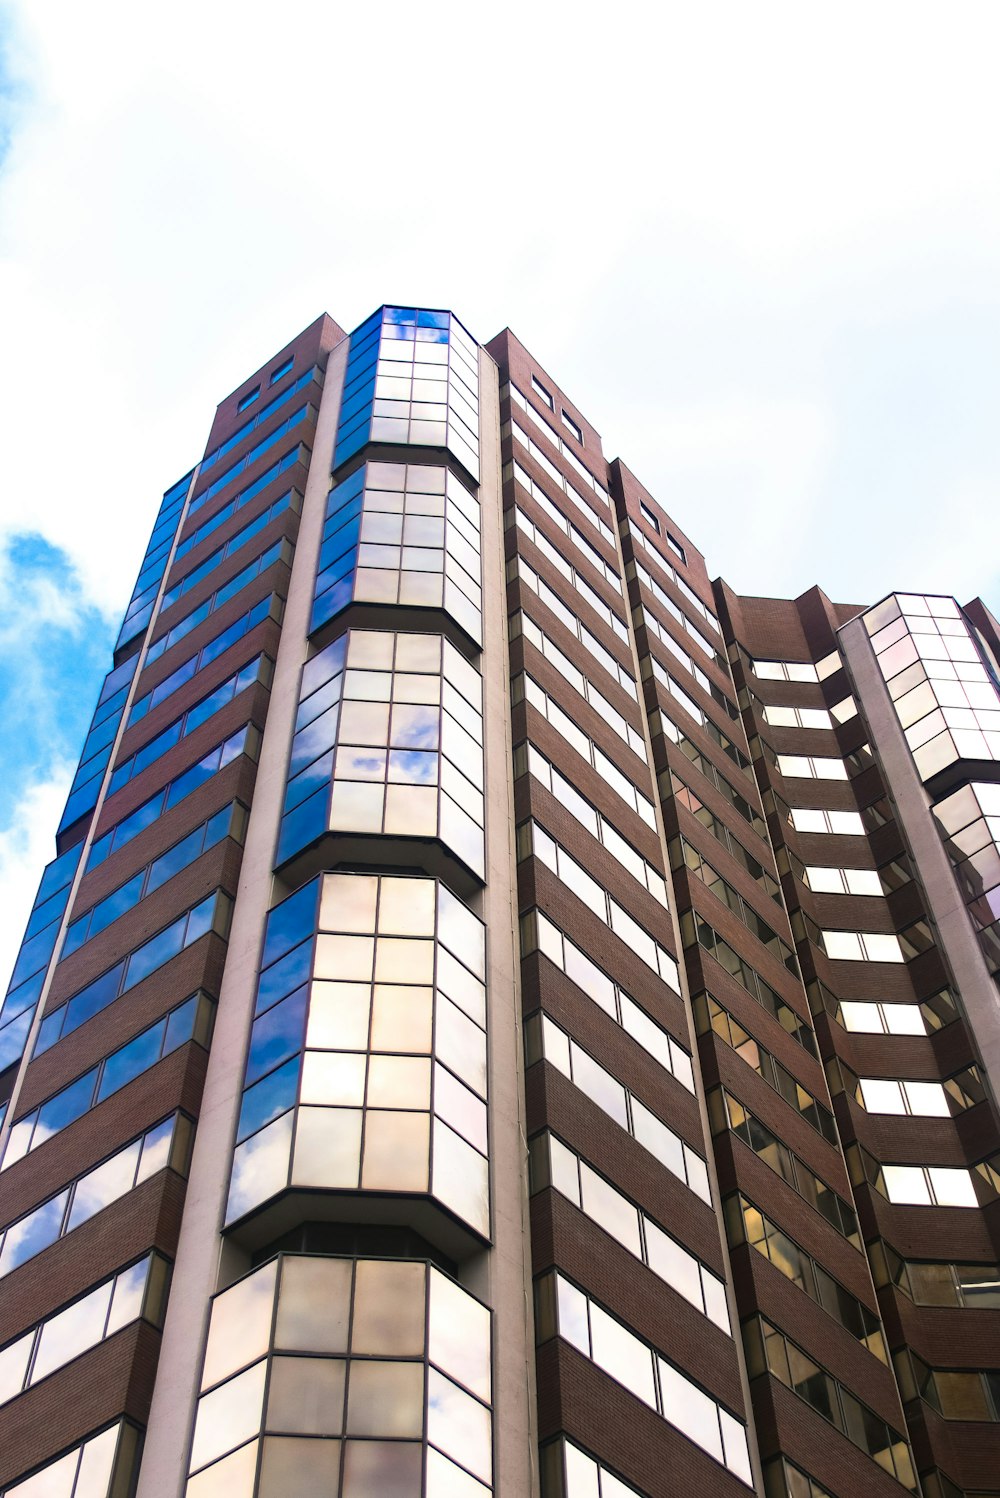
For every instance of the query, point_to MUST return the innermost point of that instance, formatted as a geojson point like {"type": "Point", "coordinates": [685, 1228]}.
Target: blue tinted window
{"type": "Point", "coordinates": [66, 1106]}
{"type": "Point", "coordinates": [281, 370]}
{"type": "Point", "coordinates": [284, 975]}
{"type": "Point", "coordinates": [269, 1098]}
{"type": "Point", "coordinates": [290, 922]}
{"type": "Point", "coordinates": [180, 1024]}
{"type": "Point", "coordinates": [131, 1061]}
{"type": "Point", "coordinates": [155, 952]}
{"type": "Point", "coordinates": [277, 1035]}
{"type": "Point", "coordinates": [249, 398]}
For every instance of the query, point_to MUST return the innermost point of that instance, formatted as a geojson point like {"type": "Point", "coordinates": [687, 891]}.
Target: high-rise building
{"type": "Point", "coordinates": [508, 1015]}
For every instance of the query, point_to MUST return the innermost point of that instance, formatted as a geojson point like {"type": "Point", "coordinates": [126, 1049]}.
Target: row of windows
{"type": "Point", "coordinates": [532, 838]}
{"type": "Point", "coordinates": [221, 554]}
{"type": "Point", "coordinates": [98, 746]}
{"type": "Point", "coordinates": [166, 1144]}
{"type": "Point", "coordinates": [228, 821]}
{"type": "Point", "coordinates": [672, 784]}
{"type": "Point", "coordinates": [520, 569]}
{"type": "Point", "coordinates": [528, 759]}
{"type": "Point", "coordinates": [797, 717]}
{"type": "Point", "coordinates": [514, 470]}
{"type": "Point", "coordinates": [539, 934]}
{"type": "Point", "coordinates": [102, 1464]}
{"type": "Point", "coordinates": [260, 669]}
{"type": "Point", "coordinates": [769, 1350]}
{"type": "Point", "coordinates": [154, 562]}
{"type": "Point", "coordinates": [576, 581]}
{"type": "Point", "coordinates": [32, 961]}
{"type": "Point", "coordinates": [746, 1223]}
{"type": "Point", "coordinates": [840, 823]}
{"type": "Point", "coordinates": [133, 1293]}
{"type": "Point", "coordinates": [276, 375]}
{"type": "Point", "coordinates": [517, 399]}
{"type": "Point", "coordinates": [695, 929]}
{"type": "Point", "coordinates": [741, 908]}
{"type": "Point", "coordinates": [921, 1099]}
{"type": "Point", "coordinates": [191, 1020]}
{"type": "Point", "coordinates": [641, 616]}
{"type": "Point", "coordinates": [568, 421]}
{"type": "Point", "coordinates": [727, 1112]}
{"type": "Point", "coordinates": [672, 541]}
{"type": "Point", "coordinates": [545, 1040]}
{"type": "Point", "coordinates": [811, 767]}
{"type": "Point", "coordinates": [210, 459]}
{"type": "Point", "coordinates": [211, 914]}
{"type": "Point", "coordinates": [961, 1286]}
{"type": "Point", "coordinates": [290, 500]}
{"type": "Point", "coordinates": [296, 454]}
{"type": "Point", "coordinates": [525, 687]}
{"type": "Point", "coordinates": [639, 573]}
{"type": "Point", "coordinates": [724, 836]}
{"type": "Point", "coordinates": [710, 1015]}
{"type": "Point", "coordinates": [521, 623]}
{"type": "Point", "coordinates": [568, 1472]}
{"type": "Point", "coordinates": [258, 451]}
{"type": "Point", "coordinates": [664, 724]}
{"type": "Point", "coordinates": [563, 1310]}
{"type": "Point", "coordinates": [956, 1395]}
{"type": "Point", "coordinates": [914, 1185]}
{"type": "Point", "coordinates": [680, 582]}
{"type": "Point", "coordinates": [552, 1163]}
{"type": "Point", "coordinates": [245, 740]}
{"type": "Point", "coordinates": [269, 607]}
{"type": "Point", "coordinates": [280, 551]}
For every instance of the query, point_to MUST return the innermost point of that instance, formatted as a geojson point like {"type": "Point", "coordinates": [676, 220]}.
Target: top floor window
{"type": "Point", "coordinates": [282, 369]}
{"type": "Point", "coordinates": [571, 426]}
{"type": "Point", "coordinates": [676, 547]}
{"type": "Point", "coordinates": [249, 398]}
{"type": "Point", "coordinates": [649, 517]}
{"type": "Point", "coordinates": [541, 392]}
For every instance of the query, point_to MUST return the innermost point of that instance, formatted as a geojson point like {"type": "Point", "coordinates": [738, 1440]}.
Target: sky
{"type": "Point", "coordinates": [758, 245]}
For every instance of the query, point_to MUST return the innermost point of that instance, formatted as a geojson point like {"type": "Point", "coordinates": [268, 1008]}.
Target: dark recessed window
{"type": "Point", "coordinates": [676, 546]}
{"type": "Point", "coordinates": [249, 398]}
{"type": "Point", "coordinates": [541, 392]}
{"type": "Point", "coordinates": [571, 426]}
{"type": "Point", "coordinates": [649, 517]}
{"type": "Point", "coordinates": [282, 369]}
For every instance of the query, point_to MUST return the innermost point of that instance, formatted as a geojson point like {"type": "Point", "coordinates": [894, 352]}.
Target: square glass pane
{"type": "Point", "coordinates": [399, 1082]}
{"type": "Point", "coordinates": [228, 1416]}
{"type": "Point", "coordinates": [392, 1469]}
{"type": "Point", "coordinates": [333, 1079]}
{"type": "Point", "coordinates": [385, 1399]}
{"type": "Point", "coordinates": [401, 1018]}
{"type": "Point", "coordinates": [327, 1147]}
{"type": "Point", "coordinates": [309, 1469]}
{"type": "Point", "coordinates": [338, 1016]}
{"type": "Point", "coordinates": [389, 1301]}
{"type": "Point", "coordinates": [396, 1151]}
{"type": "Point", "coordinates": [240, 1328]}
{"type": "Point", "coordinates": [314, 1302]}
{"type": "Point", "coordinates": [306, 1396]}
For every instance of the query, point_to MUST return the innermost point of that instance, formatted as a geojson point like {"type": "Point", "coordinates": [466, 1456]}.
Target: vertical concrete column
{"type": "Point", "coordinates": [503, 1276]}
{"type": "Point", "coordinates": [199, 1269]}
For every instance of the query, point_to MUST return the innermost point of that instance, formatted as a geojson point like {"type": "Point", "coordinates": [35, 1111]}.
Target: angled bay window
{"type": "Point", "coordinates": [367, 1062]}
{"type": "Point", "coordinates": [343, 1376]}
{"type": "Point", "coordinates": [412, 378]}
{"type": "Point", "coordinates": [969, 821]}
{"type": "Point", "coordinates": [944, 695]}
{"type": "Point", "coordinates": [388, 741]}
{"type": "Point", "coordinates": [401, 534]}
